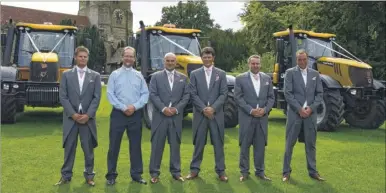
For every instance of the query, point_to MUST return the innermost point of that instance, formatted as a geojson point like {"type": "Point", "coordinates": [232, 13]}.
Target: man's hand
{"type": "Point", "coordinates": [168, 112]}
{"type": "Point", "coordinates": [83, 119]}
{"type": "Point", "coordinates": [173, 110]}
{"type": "Point", "coordinates": [260, 112]}
{"type": "Point", "coordinates": [308, 111]}
{"type": "Point", "coordinates": [75, 117]}
{"type": "Point", "coordinates": [209, 112]}
{"type": "Point", "coordinates": [254, 112]}
{"type": "Point", "coordinates": [303, 113]}
{"type": "Point", "coordinates": [130, 110]}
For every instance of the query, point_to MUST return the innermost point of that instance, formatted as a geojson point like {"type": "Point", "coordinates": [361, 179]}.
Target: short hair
{"type": "Point", "coordinates": [208, 50]}
{"type": "Point", "coordinates": [128, 48]}
{"type": "Point", "coordinates": [81, 49]}
{"type": "Point", "coordinates": [169, 54]}
{"type": "Point", "coordinates": [254, 56]}
{"type": "Point", "coordinates": [301, 51]}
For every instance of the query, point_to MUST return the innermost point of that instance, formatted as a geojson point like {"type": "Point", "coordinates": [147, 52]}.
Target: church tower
{"type": "Point", "coordinates": [114, 20]}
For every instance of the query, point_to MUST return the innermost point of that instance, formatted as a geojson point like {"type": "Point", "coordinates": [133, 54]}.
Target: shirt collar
{"type": "Point", "coordinates": [258, 74]}
{"type": "Point", "coordinates": [303, 70]}
{"type": "Point", "coordinates": [127, 68]}
{"type": "Point", "coordinates": [210, 68]}
{"type": "Point", "coordinates": [80, 69]}
{"type": "Point", "coordinates": [167, 71]}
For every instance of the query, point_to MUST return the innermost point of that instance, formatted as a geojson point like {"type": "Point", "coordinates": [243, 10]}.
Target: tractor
{"type": "Point", "coordinates": [35, 56]}
{"type": "Point", "coordinates": [350, 91]}
{"type": "Point", "coordinates": [152, 43]}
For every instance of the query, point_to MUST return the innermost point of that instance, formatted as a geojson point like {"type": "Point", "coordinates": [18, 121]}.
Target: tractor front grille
{"type": "Point", "coordinates": [44, 72]}
{"type": "Point", "coordinates": [43, 96]}
{"type": "Point", "coordinates": [361, 77]}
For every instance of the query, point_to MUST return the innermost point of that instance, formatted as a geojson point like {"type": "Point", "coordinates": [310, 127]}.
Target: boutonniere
{"type": "Point", "coordinates": [91, 81]}
{"type": "Point", "coordinates": [266, 83]}
{"type": "Point", "coordinates": [314, 78]}
{"type": "Point", "coordinates": [217, 77]}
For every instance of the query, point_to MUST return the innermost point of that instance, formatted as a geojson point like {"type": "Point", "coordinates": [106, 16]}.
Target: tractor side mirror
{"type": "Point", "coordinates": [88, 43]}
{"type": "Point", "coordinates": [3, 39]}
{"type": "Point", "coordinates": [131, 41]}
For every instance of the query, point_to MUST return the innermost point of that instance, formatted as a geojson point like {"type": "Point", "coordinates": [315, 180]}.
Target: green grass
{"type": "Point", "coordinates": [350, 159]}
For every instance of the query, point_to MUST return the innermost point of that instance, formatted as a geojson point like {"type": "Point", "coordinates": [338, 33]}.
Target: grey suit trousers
{"type": "Point", "coordinates": [70, 150]}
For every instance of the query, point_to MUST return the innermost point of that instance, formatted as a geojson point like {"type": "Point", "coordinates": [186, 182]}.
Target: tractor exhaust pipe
{"type": "Point", "coordinates": [144, 51]}
{"type": "Point", "coordinates": [293, 46]}
{"type": "Point", "coordinates": [8, 46]}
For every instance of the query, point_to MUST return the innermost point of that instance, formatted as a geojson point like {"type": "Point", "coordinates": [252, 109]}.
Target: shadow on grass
{"type": "Point", "coordinates": [135, 187]}
{"type": "Point", "coordinates": [321, 186]}
{"type": "Point", "coordinates": [260, 186]}
{"type": "Point", "coordinates": [176, 186]}
{"type": "Point", "coordinates": [202, 186]}
{"type": "Point", "coordinates": [158, 187]}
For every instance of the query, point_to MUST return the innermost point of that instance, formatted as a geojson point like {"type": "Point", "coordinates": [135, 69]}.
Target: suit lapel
{"type": "Point", "coordinates": [300, 78]}
{"type": "Point", "coordinates": [309, 78]}
{"type": "Point", "coordinates": [75, 80]}
{"type": "Point", "coordinates": [86, 80]}
{"type": "Point", "coordinates": [262, 80]}
{"type": "Point", "coordinates": [250, 83]}
{"type": "Point", "coordinates": [175, 80]}
{"type": "Point", "coordinates": [212, 78]}
{"type": "Point", "coordinates": [166, 82]}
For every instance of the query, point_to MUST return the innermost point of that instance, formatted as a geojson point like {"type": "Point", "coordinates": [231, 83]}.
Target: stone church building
{"type": "Point", "coordinates": [113, 18]}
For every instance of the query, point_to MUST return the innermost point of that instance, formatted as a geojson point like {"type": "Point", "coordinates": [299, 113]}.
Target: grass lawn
{"type": "Point", "coordinates": [350, 159]}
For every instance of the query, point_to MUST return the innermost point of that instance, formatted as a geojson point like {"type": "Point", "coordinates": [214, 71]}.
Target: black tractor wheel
{"type": "Point", "coordinates": [20, 108]}
{"type": "Point", "coordinates": [230, 111]}
{"type": "Point", "coordinates": [330, 112]}
{"type": "Point", "coordinates": [148, 114]}
{"type": "Point", "coordinates": [367, 114]}
{"type": "Point", "coordinates": [8, 109]}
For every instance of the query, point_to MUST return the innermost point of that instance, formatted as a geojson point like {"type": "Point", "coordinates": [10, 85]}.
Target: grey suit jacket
{"type": "Point", "coordinates": [70, 98]}
{"type": "Point", "coordinates": [216, 96]}
{"type": "Point", "coordinates": [296, 93]}
{"type": "Point", "coordinates": [247, 100]}
{"type": "Point", "coordinates": [161, 95]}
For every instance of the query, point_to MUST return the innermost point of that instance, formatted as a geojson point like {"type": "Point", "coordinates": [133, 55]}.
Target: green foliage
{"type": "Point", "coordinates": [192, 14]}
{"type": "Point", "coordinates": [66, 22]}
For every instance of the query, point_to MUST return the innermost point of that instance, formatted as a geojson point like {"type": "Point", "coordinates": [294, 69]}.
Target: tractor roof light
{"type": "Point", "coordinates": [198, 35]}
{"type": "Point", "coordinates": [169, 25]}
{"type": "Point", "coordinates": [154, 31]}
{"type": "Point", "coordinates": [194, 34]}
{"type": "Point", "coordinates": [47, 23]}
{"type": "Point", "coordinates": [159, 31]}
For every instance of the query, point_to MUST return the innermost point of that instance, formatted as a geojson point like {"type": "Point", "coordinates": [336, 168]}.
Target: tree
{"type": "Point", "coordinates": [192, 14]}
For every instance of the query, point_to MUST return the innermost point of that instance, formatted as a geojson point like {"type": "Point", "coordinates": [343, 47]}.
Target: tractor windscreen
{"type": "Point", "coordinates": [177, 44]}
{"type": "Point", "coordinates": [58, 42]}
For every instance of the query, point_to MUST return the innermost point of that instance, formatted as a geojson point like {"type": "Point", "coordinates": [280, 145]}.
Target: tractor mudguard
{"type": "Point", "coordinates": [8, 73]}
{"type": "Point", "coordinates": [330, 82]}
{"type": "Point", "coordinates": [231, 80]}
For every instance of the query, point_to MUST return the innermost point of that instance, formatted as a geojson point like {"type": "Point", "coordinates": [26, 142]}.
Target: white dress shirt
{"type": "Point", "coordinates": [207, 77]}
{"type": "Point", "coordinates": [170, 73]}
{"type": "Point", "coordinates": [81, 80]}
{"type": "Point", "coordinates": [256, 85]}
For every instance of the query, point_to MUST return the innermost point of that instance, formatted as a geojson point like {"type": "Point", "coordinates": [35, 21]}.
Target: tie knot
{"type": "Point", "coordinates": [208, 71]}
{"type": "Point", "coordinates": [256, 76]}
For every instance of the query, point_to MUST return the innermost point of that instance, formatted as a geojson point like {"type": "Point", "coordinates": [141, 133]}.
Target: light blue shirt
{"type": "Point", "coordinates": [127, 86]}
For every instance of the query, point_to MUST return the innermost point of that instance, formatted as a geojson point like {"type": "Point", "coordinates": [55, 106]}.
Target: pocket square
{"type": "Point", "coordinates": [266, 83]}
{"type": "Point", "coordinates": [314, 78]}
{"type": "Point", "coordinates": [217, 77]}
{"type": "Point", "coordinates": [91, 81]}
{"type": "Point", "coordinates": [181, 80]}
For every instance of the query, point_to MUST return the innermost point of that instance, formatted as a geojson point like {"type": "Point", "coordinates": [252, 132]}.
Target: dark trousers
{"type": "Point", "coordinates": [70, 150]}
{"type": "Point", "coordinates": [119, 122]}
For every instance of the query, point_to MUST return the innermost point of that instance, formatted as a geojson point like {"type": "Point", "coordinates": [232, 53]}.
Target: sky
{"type": "Point", "coordinates": [149, 12]}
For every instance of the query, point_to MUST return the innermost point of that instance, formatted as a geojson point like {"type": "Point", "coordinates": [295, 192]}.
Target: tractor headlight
{"type": "Point", "coordinates": [353, 91]}
{"type": "Point", "coordinates": [6, 86]}
{"type": "Point", "coordinates": [15, 86]}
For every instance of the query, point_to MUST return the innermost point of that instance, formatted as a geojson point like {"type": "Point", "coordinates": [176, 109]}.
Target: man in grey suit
{"type": "Point", "coordinates": [79, 94]}
{"type": "Point", "coordinates": [208, 92]}
{"type": "Point", "coordinates": [255, 98]}
{"type": "Point", "coordinates": [303, 92]}
{"type": "Point", "coordinates": [169, 93]}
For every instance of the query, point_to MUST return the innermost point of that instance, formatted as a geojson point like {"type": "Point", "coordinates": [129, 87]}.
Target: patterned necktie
{"type": "Point", "coordinates": [170, 77]}
{"type": "Point", "coordinates": [255, 76]}
{"type": "Point", "coordinates": [81, 73]}
{"type": "Point", "coordinates": [207, 72]}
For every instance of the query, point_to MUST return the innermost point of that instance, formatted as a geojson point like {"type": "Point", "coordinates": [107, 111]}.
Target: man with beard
{"type": "Point", "coordinates": [208, 91]}
{"type": "Point", "coordinates": [128, 93]}
{"type": "Point", "coordinates": [255, 98]}
{"type": "Point", "coordinates": [169, 94]}
{"type": "Point", "coordinates": [79, 94]}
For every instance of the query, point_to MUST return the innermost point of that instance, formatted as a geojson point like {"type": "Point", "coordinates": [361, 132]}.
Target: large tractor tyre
{"type": "Point", "coordinates": [230, 112]}
{"type": "Point", "coordinates": [148, 114]}
{"type": "Point", "coordinates": [8, 109]}
{"type": "Point", "coordinates": [20, 108]}
{"type": "Point", "coordinates": [330, 112]}
{"type": "Point", "coordinates": [367, 114]}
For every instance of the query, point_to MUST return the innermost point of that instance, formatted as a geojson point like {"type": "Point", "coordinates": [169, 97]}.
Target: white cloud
{"type": "Point", "coordinates": [224, 13]}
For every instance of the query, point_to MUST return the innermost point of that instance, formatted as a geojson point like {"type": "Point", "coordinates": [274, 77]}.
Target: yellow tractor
{"type": "Point", "coordinates": [152, 43]}
{"type": "Point", "coordinates": [350, 91]}
{"type": "Point", "coordinates": [34, 57]}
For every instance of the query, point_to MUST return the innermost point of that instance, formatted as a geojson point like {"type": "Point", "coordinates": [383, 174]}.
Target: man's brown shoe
{"type": "Point", "coordinates": [154, 180]}
{"type": "Point", "coordinates": [179, 178]}
{"type": "Point", "coordinates": [62, 181]}
{"type": "Point", "coordinates": [191, 176]}
{"type": "Point", "coordinates": [286, 178]}
{"type": "Point", "coordinates": [90, 182]}
{"type": "Point", "coordinates": [243, 178]}
{"type": "Point", "coordinates": [264, 178]}
{"type": "Point", "coordinates": [223, 178]}
{"type": "Point", "coordinates": [317, 177]}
